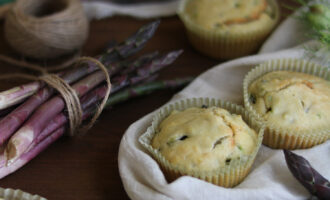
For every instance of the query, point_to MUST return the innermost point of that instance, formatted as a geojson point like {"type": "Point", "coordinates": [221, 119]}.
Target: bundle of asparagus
{"type": "Point", "coordinates": [34, 115]}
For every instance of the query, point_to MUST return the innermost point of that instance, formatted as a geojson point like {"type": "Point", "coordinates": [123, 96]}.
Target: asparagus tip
{"type": "Point", "coordinates": [177, 52]}
{"type": "Point", "coordinates": [155, 23]}
{"type": "Point", "coordinates": [302, 170]}
{"type": "Point", "coordinates": [149, 29]}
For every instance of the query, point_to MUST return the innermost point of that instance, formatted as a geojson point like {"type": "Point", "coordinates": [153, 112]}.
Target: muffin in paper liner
{"type": "Point", "coordinates": [227, 176]}
{"type": "Point", "coordinates": [286, 138]}
{"type": "Point", "coordinates": [227, 45]}
{"type": "Point", "coordinates": [11, 194]}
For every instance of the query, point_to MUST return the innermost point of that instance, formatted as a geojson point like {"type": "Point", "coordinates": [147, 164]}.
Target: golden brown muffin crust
{"type": "Point", "coordinates": [204, 138]}
{"type": "Point", "coordinates": [291, 99]}
{"type": "Point", "coordinates": [225, 14]}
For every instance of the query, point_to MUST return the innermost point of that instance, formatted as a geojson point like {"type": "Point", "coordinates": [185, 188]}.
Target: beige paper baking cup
{"type": "Point", "coordinates": [223, 45]}
{"type": "Point", "coordinates": [11, 194]}
{"type": "Point", "coordinates": [227, 176]}
{"type": "Point", "coordinates": [280, 138]}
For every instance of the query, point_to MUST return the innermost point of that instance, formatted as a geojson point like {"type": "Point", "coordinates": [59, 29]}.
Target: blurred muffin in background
{"type": "Point", "coordinates": [228, 28]}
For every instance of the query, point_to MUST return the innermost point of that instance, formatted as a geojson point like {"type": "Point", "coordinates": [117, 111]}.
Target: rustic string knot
{"type": "Point", "coordinates": [71, 98]}
{"type": "Point", "coordinates": [104, 101]}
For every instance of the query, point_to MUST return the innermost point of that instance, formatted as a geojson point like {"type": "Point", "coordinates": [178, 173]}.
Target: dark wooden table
{"type": "Point", "coordinates": [87, 167]}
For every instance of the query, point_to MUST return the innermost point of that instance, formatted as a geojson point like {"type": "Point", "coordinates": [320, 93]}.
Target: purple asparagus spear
{"type": "Point", "coordinates": [145, 71]}
{"type": "Point", "coordinates": [26, 157]}
{"type": "Point", "coordinates": [18, 94]}
{"type": "Point", "coordinates": [313, 181]}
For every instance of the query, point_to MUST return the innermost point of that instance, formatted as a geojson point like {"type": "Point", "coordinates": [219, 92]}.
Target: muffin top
{"type": "Point", "coordinates": [230, 15]}
{"type": "Point", "coordinates": [291, 100]}
{"type": "Point", "coordinates": [203, 139]}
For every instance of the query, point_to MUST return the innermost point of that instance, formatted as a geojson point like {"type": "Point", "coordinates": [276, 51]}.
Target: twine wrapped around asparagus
{"type": "Point", "coordinates": [69, 94]}
{"type": "Point", "coordinates": [37, 115]}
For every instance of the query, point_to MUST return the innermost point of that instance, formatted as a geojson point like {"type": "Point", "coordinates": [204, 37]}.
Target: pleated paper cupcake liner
{"type": "Point", "coordinates": [223, 45]}
{"type": "Point", "coordinates": [286, 138]}
{"type": "Point", "coordinates": [11, 194]}
{"type": "Point", "coordinates": [227, 176]}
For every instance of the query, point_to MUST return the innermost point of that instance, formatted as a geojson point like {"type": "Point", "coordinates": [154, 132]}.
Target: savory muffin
{"type": "Point", "coordinates": [228, 28]}
{"type": "Point", "coordinates": [294, 105]}
{"type": "Point", "coordinates": [205, 138]}
{"type": "Point", "coordinates": [291, 99]}
{"type": "Point", "coordinates": [229, 15]}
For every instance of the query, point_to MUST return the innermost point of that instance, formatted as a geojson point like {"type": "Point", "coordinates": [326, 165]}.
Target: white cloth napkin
{"type": "Point", "coordinates": [269, 177]}
{"type": "Point", "coordinates": [102, 9]}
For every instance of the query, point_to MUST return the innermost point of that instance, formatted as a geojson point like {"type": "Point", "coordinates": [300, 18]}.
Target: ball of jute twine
{"type": "Point", "coordinates": [46, 29]}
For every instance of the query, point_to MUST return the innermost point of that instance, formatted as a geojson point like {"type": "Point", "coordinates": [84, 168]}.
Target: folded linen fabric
{"type": "Point", "coordinates": [269, 178]}
{"type": "Point", "coordinates": [150, 9]}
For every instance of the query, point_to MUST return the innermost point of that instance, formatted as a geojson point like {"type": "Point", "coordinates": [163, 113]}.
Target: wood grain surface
{"type": "Point", "coordinates": [87, 167]}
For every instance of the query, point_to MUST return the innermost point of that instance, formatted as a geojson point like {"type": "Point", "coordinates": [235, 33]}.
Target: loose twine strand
{"type": "Point", "coordinates": [40, 68]}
